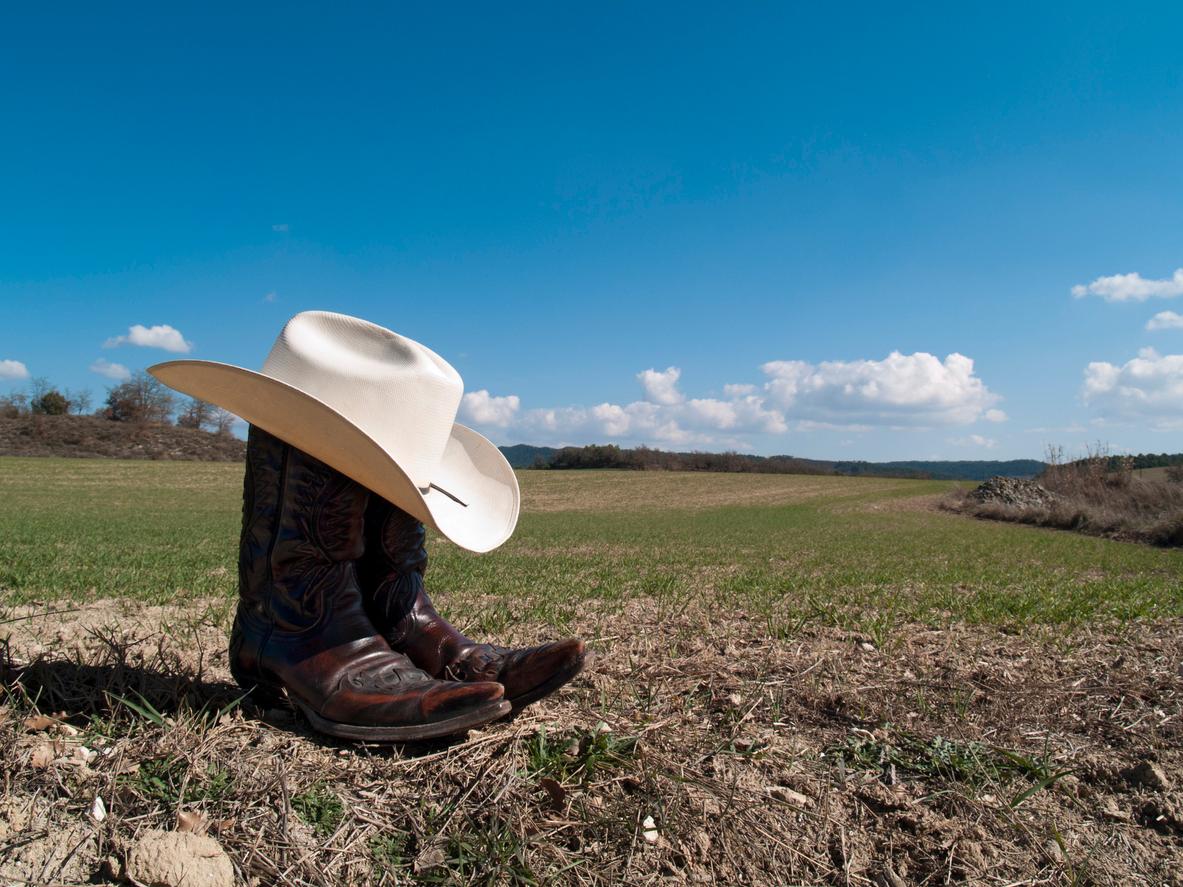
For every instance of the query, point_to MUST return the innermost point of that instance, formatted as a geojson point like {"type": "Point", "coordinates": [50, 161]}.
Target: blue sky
{"type": "Point", "coordinates": [760, 204]}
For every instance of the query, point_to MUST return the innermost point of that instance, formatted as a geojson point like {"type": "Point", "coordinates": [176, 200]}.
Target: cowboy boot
{"type": "Point", "coordinates": [391, 573]}
{"type": "Point", "coordinates": [301, 629]}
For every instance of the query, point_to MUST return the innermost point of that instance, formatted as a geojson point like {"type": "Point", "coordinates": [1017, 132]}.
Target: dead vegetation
{"type": "Point", "coordinates": [698, 750]}
{"type": "Point", "coordinates": [1089, 496]}
{"type": "Point", "coordinates": [91, 436]}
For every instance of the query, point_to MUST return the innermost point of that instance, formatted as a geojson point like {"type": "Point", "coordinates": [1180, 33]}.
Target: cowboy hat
{"type": "Point", "coordinates": [378, 407]}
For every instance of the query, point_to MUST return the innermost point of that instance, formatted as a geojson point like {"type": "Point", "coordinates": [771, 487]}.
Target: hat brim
{"type": "Point", "coordinates": [473, 498]}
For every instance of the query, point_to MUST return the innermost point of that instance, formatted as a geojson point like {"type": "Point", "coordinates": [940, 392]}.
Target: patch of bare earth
{"type": "Point", "coordinates": [696, 750]}
{"type": "Point", "coordinates": [549, 491]}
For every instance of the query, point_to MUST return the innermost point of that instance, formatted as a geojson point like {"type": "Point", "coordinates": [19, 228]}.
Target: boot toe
{"type": "Point", "coordinates": [531, 674]}
{"type": "Point", "coordinates": [449, 698]}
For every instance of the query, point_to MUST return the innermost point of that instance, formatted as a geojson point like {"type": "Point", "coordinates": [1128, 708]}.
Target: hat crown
{"type": "Point", "coordinates": [401, 393]}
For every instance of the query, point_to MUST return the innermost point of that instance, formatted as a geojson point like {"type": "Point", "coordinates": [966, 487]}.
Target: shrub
{"type": "Point", "coordinates": [51, 403]}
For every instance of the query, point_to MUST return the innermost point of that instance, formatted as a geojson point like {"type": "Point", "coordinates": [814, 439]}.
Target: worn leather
{"type": "Point", "coordinates": [301, 625]}
{"type": "Point", "coordinates": [392, 578]}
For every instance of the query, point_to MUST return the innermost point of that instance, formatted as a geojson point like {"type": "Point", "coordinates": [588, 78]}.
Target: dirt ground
{"type": "Point", "coordinates": [695, 750]}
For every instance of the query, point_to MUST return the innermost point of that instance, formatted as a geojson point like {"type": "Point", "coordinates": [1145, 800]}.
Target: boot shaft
{"type": "Point", "coordinates": [302, 532]}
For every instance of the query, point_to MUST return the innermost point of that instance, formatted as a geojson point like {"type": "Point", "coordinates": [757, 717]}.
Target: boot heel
{"type": "Point", "coordinates": [262, 692]}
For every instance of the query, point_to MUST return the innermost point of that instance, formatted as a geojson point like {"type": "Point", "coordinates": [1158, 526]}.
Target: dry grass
{"type": "Point", "coordinates": [972, 755]}
{"type": "Point", "coordinates": [1091, 498]}
{"type": "Point", "coordinates": [794, 684]}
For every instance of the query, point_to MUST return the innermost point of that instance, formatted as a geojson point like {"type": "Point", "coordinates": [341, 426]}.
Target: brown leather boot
{"type": "Point", "coordinates": [391, 573]}
{"type": "Point", "coordinates": [301, 627]}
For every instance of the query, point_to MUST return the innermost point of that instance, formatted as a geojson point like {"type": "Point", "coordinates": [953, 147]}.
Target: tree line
{"type": "Point", "coordinates": [645, 459]}
{"type": "Point", "coordinates": [142, 399]}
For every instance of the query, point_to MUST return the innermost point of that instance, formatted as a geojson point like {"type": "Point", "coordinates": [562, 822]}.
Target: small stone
{"type": "Point", "coordinates": [98, 810]}
{"type": "Point", "coordinates": [735, 699]}
{"type": "Point", "coordinates": [179, 859]}
{"type": "Point", "coordinates": [1150, 775]}
{"type": "Point", "coordinates": [743, 744]}
{"type": "Point", "coordinates": [649, 830]}
{"type": "Point", "coordinates": [1051, 849]}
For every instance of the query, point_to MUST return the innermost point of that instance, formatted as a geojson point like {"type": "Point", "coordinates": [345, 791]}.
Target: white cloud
{"type": "Point", "coordinates": [1165, 320]}
{"type": "Point", "coordinates": [162, 336]}
{"type": "Point", "coordinates": [116, 371]}
{"type": "Point", "coordinates": [899, 392]}
{"type": "Point", "coordinates": [902, 390]}
{"type": "Point", "coordinates": [481, 408]}
{"type": "Point", "coordinates": [1148, 388]}
{"type": "Point", "coordinates": [661, 387]}
{"type": "Point", "coordinates": [13, 369]}
{"type": "Point", "coordinates": [974, 440]}
{"type": "Point", "coordinates": [283, 227]}
{"type": "Point", "coordinates": [271, 297]}
{"type": "Point", "coordinates": [1131, 287]}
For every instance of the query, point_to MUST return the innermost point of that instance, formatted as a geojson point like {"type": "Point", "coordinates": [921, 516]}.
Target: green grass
{"type": "Point", "coordinates": [788, 550]}
{"type": "Point", "coordinates": [320, 808]}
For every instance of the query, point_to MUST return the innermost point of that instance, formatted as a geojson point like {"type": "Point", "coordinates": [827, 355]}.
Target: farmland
{"type": "Point", "coordinates": [798, 679]}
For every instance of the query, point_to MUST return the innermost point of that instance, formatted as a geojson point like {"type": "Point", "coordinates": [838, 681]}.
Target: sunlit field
{"type": "Point", "coordinates": [798, 679]}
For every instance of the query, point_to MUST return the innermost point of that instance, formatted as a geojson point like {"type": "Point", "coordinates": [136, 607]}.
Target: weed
{"type": "Point", "coordinates": [388, 852]}
{"type": "Point", "coordinates": [320, 808]}
{"type": "Point", "coordinates": [578, 756]}
{"type": "Point", "coordinates": [172, 782]}
{"type": "Point", "coordinates": [490, 853]}
{"type": "Point", "coordinates": [894, 752]}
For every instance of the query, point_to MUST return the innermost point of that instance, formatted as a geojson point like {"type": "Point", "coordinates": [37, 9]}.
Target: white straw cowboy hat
{"type": "Point", "coordinates": [378, 407]}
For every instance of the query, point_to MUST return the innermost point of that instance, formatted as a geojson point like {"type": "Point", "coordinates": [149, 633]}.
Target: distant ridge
{"type": "Point", "coordinates": [609, 456]}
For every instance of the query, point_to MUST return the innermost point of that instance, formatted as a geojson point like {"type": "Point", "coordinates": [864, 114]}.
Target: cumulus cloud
{"type": "Point", "coordinates": [13, 369]}
{"type": "Point", "coordinates": [899, 392]}
{"type": "Point", "coordinates": [1131, 287]}
{"type": "Point", "coordinates": [902, 390]}
{"type": "Point", "coordinates": [1148, 388]}
{"type": "Point", "coordinates": [116, 371]}
{"type": "Point", "coordinates": [974, 440]}
{"type": "Point", "coordinates": [162, 336]}
{"type": "Point", "coordinates": [661, 387]}
{"type": "Point", "coordinates": [481, 408]}
{"type": "Point", "coordinates": [1165, 320]}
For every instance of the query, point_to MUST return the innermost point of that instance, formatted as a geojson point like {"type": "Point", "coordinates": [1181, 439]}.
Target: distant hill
{"type": "Point", "coordinates": [609, 456]}
{"type": "Point", "coordinates": [90, 436]}
{"type": "Point", "coordinates": [526, 456]}
{"type": "Point", "coordinates": [939, 470]}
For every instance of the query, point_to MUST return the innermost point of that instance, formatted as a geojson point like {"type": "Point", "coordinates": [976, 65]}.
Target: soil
{"type": "Point", "coordinates": [90, 436]}
{"type": "Point", "coordinates": [965, 754]}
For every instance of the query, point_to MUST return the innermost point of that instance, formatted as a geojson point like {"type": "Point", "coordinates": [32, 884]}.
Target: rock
{"type": "Point", "coordinates": [649, 830]}
{"type": "Point", "coordinates": [1150, 775]}
{"type": "Point", "coordinates": [179, 859]}
{"type": "Point", "coordinates": [1013, 491]}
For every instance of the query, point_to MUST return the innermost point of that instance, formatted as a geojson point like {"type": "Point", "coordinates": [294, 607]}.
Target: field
{"type": "Point", "coordinates": [798, 680]}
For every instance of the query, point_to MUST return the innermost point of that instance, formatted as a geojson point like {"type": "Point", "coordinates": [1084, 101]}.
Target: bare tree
{"type": "Point", "coordinates": [223, 421]}
{"type": "Point", "coordinates": [79, 401]}
{"type": "Point", "coordinates": [196, 414]}
{"type": "Point", "coordinates": [141, 398]}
